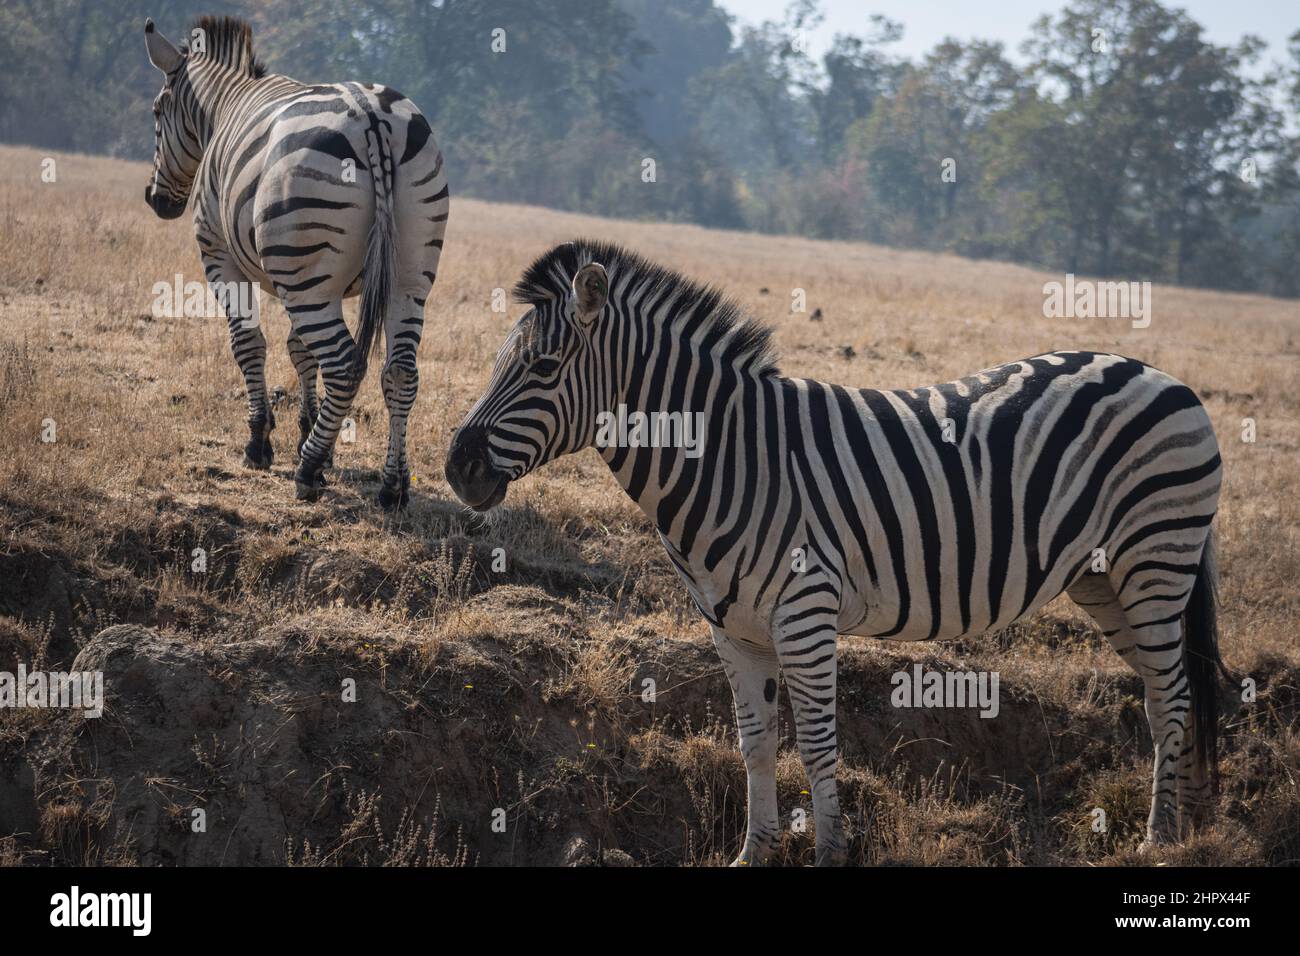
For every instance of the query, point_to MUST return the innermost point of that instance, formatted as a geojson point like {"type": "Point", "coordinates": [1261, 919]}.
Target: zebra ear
{"type": "Point", "coordinates": [590, 291]}
{"type": "Point", "coordinates": [162, 53]}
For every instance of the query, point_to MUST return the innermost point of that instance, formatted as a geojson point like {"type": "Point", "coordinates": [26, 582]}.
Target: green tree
{"type": "Point", "coordinates": [1124, 156]}
{"type": "Point", "coordinates": [858, 73]}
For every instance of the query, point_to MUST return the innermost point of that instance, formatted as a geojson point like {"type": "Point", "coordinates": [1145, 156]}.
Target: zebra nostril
{"type": "Point", "coordinates": [476, 470]}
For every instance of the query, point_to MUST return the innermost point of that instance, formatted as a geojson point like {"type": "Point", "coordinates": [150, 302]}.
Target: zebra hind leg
{"type": "Point", "coordinates": [259, 453]}
{"type": "Point", "coordinates": [752, 672]}
{"type": "Point", "coordinates": [401, 381]}
{"type": "Point", "coordinates": [248, 345]}
{"type": "Point", "coordinates": [1154, 650]}
{"type": "Point", "coordinates": [304, 363]}
{"type": "Point", "coordinates": [1158, 650]}
{"type": "Point", "coordinates": [321, 327]}
{"type": "Point", "coordinates": [1159, 594]}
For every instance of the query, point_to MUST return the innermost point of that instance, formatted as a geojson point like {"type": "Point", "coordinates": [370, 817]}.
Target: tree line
{"type": "Point", "coordinates": [1121, 143]}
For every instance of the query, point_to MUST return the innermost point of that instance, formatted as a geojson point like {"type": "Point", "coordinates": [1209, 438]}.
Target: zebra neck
{"type": "Point", "coordinates": [213, 90]}
{"type": "Point", "coordinates": [662, 454]}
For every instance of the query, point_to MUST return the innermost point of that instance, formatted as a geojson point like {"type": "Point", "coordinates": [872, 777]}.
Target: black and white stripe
{"type": "Point", "coordinates": [318, 192]}
{"type": "Point", "coordinates": [920, 514]}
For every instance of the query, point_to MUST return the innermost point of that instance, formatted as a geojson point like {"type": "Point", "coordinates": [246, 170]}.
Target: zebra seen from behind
{"type": "Point", "coordinates": [317, 192]}
{"type": "Point", "coordinates": [814, 510]}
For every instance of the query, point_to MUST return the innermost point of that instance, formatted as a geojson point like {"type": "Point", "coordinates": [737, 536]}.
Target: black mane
{"type": "Point", "coordinates": [229, 41]}
{"type": "Point", "coordinates": [550, 276]}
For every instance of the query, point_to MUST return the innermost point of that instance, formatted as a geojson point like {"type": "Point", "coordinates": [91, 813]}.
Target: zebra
{"type": "Point", "coordinates": [817, 510]}
{"type": "Point", "coordinates": [319, 192]}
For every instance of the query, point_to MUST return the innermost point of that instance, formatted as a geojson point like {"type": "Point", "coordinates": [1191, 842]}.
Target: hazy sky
{"type": "Point", "coordinates": [926, 22]}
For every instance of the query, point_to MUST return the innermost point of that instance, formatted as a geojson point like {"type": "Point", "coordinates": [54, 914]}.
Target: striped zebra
{"type": "Point", "coordinates": [319, 192]}
{"type": "Point", "coordinates": [814, 510]}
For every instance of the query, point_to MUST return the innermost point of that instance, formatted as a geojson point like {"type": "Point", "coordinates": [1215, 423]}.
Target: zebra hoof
{"type": "Point", "coordinates": [308, 483]}
{"type": "Point", "coordinates": [258, 455]}
{"type": "Point", "coordinates": [308, 490]}
{"type": "Point", "coordinates": [1156, 841]}
{"type": "Point", "coordinates": [394, 497]}
{"type": "Point", "coordinates": [754, 854]}
{"type": "Point", "coordinates": [390, 499]}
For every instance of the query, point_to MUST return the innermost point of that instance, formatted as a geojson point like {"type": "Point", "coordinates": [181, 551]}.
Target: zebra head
{"type": "Point", "coordinates": [543, 398]}
{"type": "Point", "coordinates": [177, 149]}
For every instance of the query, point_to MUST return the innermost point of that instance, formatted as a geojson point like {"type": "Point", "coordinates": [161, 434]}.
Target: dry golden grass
{"type": "Point", "coordinates": [150, 424]}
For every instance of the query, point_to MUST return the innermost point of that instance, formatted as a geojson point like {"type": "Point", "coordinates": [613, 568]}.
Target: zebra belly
{"type": "Point", "coordinates": [881, 622]}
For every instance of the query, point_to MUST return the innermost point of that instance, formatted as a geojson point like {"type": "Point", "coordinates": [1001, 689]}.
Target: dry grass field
{"type": "Point", "coordinates": [515, 697]}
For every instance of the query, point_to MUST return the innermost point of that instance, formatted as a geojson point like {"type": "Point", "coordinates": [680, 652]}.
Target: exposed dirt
{"type": "Point", "coordinates": [326, 739]}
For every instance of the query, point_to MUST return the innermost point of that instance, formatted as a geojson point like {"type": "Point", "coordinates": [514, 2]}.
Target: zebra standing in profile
{"type": "Point", "coordinates": [918, 514]}
{"type": "Point", "coordinates": [317, 192]}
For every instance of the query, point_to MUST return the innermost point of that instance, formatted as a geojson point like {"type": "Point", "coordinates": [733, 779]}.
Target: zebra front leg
{"type": "Point", "coordinates": [752, 671]}
{"type": "Point", "coordinates": [401, 382]}
{"type": "Point", "coordinates": [304, 363]}
{"type": "Point", "coordinates": [805, 644]}
{"type": "Point", "coordinates": [321, 328]}
{"type": "Point", "coordinates": [247, 343]}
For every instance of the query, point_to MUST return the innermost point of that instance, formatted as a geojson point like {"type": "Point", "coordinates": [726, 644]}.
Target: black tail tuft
{"type": "Point", "coordinates": [1202, 662]}
{"type": "Point", "coordinates": [376, 293]}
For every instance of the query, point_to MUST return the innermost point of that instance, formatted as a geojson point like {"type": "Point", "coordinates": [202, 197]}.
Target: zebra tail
{"type": "Point", "coordinates": [1202, 661]}
{"type": "Point", "coordinates": [379, 272]}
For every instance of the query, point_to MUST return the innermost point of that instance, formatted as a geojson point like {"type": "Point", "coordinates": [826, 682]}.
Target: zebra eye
{"type": "Point", "coordinates": [544, 366]}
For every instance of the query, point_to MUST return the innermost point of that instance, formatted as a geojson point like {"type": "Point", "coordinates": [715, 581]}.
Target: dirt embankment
{"type": "Point", "coordinates": [519, 729]}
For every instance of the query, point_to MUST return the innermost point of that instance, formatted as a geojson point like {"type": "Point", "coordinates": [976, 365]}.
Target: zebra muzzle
{"type": "Point", "coordinates": [163, 207]}
{"type": "Point", "coordinates": [470, 473]}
